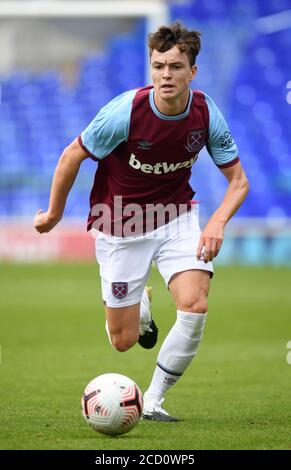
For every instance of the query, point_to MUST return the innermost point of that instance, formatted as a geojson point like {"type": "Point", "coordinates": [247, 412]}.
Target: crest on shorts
{"type": "Point", "coordinates": [195, 140]}
{"type": "Point", "coordinates": [119, 290]}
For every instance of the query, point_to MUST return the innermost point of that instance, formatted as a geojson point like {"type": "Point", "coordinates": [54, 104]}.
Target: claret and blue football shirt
{"type": "Point", "coordinates": [146, 157]}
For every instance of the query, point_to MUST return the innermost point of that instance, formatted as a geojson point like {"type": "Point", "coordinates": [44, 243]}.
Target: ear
{"type": "Point", "coordinates": [194, 69]}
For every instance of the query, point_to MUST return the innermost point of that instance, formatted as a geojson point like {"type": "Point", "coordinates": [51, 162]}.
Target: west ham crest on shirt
{"type": "Point", "coordinates": [119, 290]}
{"type": "Point", "coordinates": [195, 140]}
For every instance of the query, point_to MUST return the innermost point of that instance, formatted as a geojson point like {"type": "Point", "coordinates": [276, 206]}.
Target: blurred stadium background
{"type": "Point", "coordinates": [61, 61]}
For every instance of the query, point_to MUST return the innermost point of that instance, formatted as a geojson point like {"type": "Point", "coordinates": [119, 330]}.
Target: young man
{"type": "Point", "coordinates": [146, 141]}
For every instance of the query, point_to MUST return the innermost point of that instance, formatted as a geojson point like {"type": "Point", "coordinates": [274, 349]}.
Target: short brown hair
{"type": "Point", "coordinates": [176, 35]}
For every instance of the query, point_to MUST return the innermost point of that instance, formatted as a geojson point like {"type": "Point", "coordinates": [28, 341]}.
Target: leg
{"type": "Point", "coordinates": [127, 325]}
{"type": "Point", "coordinates": [123, 326]}
{"type": "Point", "coordinates": [188, 280]}
{"type": "Point", "coordinates": [127, 303]}
{"type": "Point", "coordinates": [189, 289]}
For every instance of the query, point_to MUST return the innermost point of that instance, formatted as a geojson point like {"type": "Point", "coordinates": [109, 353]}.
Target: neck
{"type": "Point", "coordinates": [172, 107]}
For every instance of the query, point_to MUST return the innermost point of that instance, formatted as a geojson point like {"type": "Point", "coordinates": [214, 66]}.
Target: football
{"type": "Point", "coordinates": [112, 404]}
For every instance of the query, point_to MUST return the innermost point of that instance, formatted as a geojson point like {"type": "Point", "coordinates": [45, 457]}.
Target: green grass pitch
{"type": "Point", "coordinates": [234, 395]}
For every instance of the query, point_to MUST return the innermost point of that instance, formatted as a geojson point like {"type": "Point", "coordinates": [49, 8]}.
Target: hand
{"type": "Point", "coordinates": [43, 222]}
{"type": "Point", "coordinates": [210, 241]}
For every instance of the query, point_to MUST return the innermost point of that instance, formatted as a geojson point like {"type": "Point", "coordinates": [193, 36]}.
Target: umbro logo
{"type": "Point", "coordinates": [144, 144]}
{"type": "Point", "coordinates": [170, 381]}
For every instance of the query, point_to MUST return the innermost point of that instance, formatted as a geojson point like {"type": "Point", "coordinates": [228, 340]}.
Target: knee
{"type": "Point", "coordinates": [121, 343]}
{"type": "Point", "coordinates": [194, 305]}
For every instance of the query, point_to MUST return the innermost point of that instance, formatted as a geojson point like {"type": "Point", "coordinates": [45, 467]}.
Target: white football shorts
{"type": "Point", "coordinates": [125, 262]}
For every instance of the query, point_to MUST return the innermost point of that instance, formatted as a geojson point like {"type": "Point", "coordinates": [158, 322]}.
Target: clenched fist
{"type": "Point", "coordinates": [43, 222]}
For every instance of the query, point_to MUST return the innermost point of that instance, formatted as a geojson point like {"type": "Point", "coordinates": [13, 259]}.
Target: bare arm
{"type": "Point", "coordinates": [212, 236]}
{"type": "Point", "coordinates": [64, 177]}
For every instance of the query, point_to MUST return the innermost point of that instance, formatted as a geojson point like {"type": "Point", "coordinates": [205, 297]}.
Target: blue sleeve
{"type": "Point", "coordinates": [110, 127]}
{"type": "Point", "coordinates": [221, 146]}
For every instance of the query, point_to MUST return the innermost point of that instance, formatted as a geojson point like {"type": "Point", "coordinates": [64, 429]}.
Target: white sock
{"type": "Point", "coordinates": [145, 312]}
{"type": "Point", "coordinates": [107, 331]}
{"type": "Point", "coordinates": [177, 351]}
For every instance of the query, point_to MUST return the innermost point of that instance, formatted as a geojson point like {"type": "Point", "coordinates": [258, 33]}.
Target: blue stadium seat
{"type": "Point", "coordinates": [40, 115]}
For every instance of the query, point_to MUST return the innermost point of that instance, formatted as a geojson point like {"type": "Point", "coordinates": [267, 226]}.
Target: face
{"type": "Point", "coordinates": [171, 74]}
